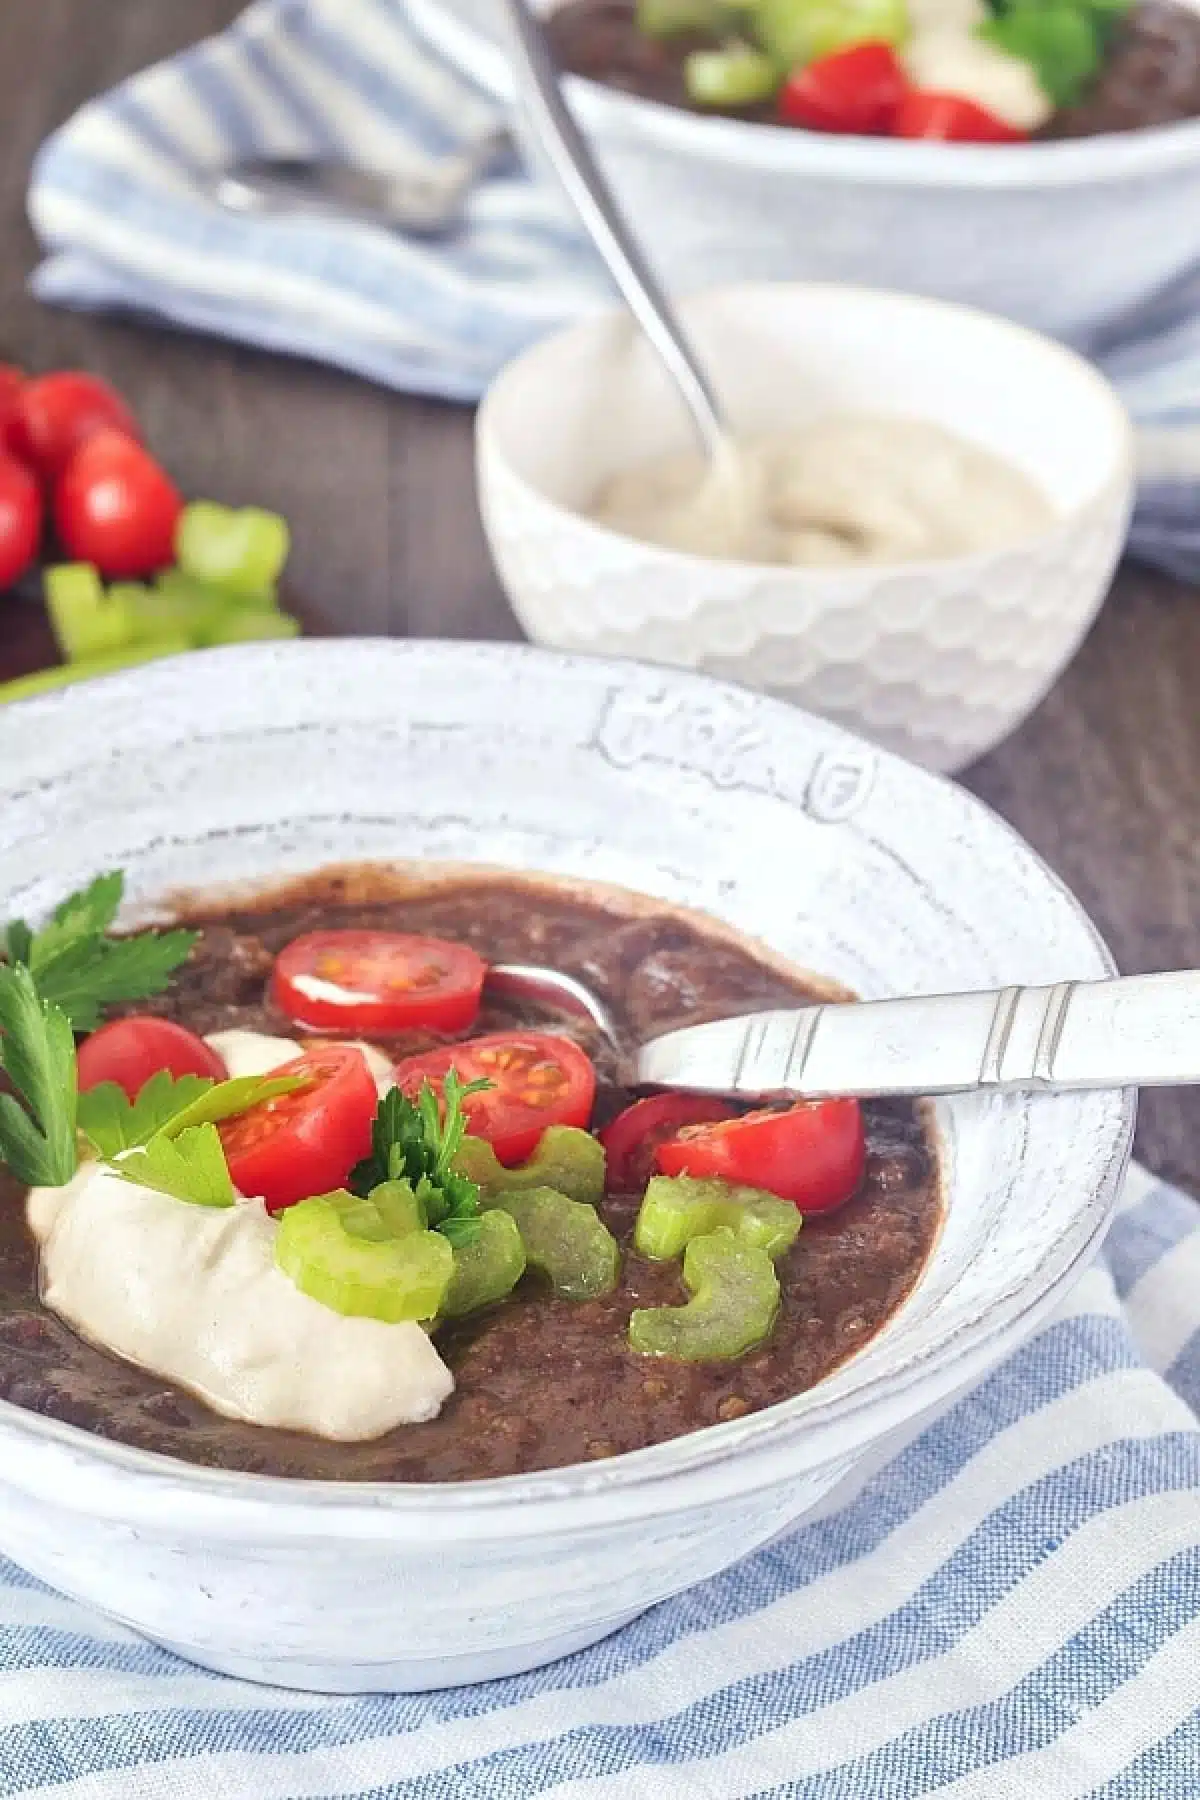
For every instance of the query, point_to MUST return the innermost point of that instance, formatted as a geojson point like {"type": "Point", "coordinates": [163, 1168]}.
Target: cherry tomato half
{"type": "Point", "coordinates": [398, 982]}
{"type": "Point", "coordinates": [537, 1080]}
{"type": "Point", "coordinates": [632, 1140]}
{"type": "Point", "coordinates": [20, 520]}
{"type": "Point", "coordinates": [952, 119]}
{"type": "Point", "coordinates": [813, 1153]}
{"type": "Point", "coordinates": [306, 1142]}
{"type": "Point", "coordinates": [858, 90]}
{"type": "Point", "coordinates": [56, 413]}
{"type": "Point", "coordinates": [12, 381]}
{"type": "Point", "coordinates": [115, 507]}
{"type": "Point", "coordinates": [130, 1051]}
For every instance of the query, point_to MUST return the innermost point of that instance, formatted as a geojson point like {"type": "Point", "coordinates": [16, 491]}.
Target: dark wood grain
{"type": "Point", "coordinates": [1104, 780]}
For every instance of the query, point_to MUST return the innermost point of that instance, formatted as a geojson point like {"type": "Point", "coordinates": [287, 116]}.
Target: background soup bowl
{"type": "Point", "coordinates": [1066, 236]}
{"type": "Point", "coordinates": [842, 858]}
{"type": "Point", "coordinates": [938, 660]}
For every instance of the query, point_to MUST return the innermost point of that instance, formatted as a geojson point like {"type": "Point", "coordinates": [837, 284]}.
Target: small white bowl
{"type": "Point", "coordinates": [258, 763]}
{"type": "Point", "coordinates": [938, 660]}
{"type": "Point", "coordinates": [1070, 237]}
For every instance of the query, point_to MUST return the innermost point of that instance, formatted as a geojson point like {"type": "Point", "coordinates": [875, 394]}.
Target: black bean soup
{"type": "Point", "coordinates": [540, 1382]}
{"type": "Point", "coordinates": [1149, 76]}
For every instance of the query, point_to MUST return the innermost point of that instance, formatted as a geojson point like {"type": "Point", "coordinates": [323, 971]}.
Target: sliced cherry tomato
{"type": "Point", "coordinates": [537, 1080]}
{"type": "Point", "coordinates": [12, 381]}
{"type": "Point", "coordinates": [20, 520]}
{"type": "Point", "coordinates": [952, 119]}
{"type": "Point", "coordinates": [56, 413]}
{"type": "Point", "coordinates": [398, 982]}
{"type": "Point", "coordinates": [633, 1138]}
{"type": "Point", "coordinates": [857, 90]}
{"type": "Point", "coordinates": [813, 1153]}
{"type": "Point", "coordinates": [115, 507]}
{"type": "Point", "coordinates": [306, 1142]}
{"type": "Point", "coordinates": [130, 1051]}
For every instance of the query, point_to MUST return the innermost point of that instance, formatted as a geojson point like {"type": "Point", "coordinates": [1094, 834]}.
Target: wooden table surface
{"type": "Point", "coordinates": [1104, 780]}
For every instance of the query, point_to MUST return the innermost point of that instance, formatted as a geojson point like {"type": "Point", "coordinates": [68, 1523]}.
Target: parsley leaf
{"type": "Point", "coordinates": [80, 969]}
{"type": "Point", "coordinates": [418, 1144]}
{"type": "Point", "coordinates": [188, 1167]}
{"type": "Point", "coordinates": [37, 1053]}
{"type": "Point", "coordinates": [112, 1122]}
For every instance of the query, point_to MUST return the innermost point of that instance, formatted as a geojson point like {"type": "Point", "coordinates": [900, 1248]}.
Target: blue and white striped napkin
{"type": "Point", "coordinates": [1008, 1610]}
{"type": "Point", "coordinates": [126, 225]}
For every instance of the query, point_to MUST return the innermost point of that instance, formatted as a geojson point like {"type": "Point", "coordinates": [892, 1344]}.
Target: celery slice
{"type": "Point", "coordinates": [249, 625]}
{"type": "Point", "coordinates": [678, 1208]}
{"type": "Point", "coordinates": [87, 622]}
{"type": "Point", "coordinates": [674, 18]}
{"type": "Point", "coordinates": [320, 1247]}
{"type": "Point", "coordinates": [734, 1304]}
{"type": "Point", "coordinates": [564, 1239]}
{"type": "Point", "coordinates": [45, 681]}
{"type": "Point", "coordinates": [488, 1268]}
{"type": "Point", "coordinates": [567, 1159]}
{"type": "Point", "coordinates": [242, 551]}
{"type": "Point", "coordinates": [737, 75]}
{"type": "Point", "coordinates": [795, 32]}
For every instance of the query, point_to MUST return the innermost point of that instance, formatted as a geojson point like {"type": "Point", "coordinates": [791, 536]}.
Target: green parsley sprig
{"type": "Point", "coordinates": [79, 968]}
{"type": "Point", "coordinates": [37, 1053]}
{"type": "Point", "coordinates": [418, 1144]}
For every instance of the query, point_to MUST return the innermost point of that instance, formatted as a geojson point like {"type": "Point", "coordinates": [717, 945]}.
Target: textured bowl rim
{"type": "Point", "coordinates": [523, 369]}
{"type": "Point", "coordinates": [1062, 162]}
{"type": "Point", "coordinates": [367, 1507]}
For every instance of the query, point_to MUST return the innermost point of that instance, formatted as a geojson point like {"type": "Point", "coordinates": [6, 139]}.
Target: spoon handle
{"type": "Point", "coordinates": [1136, 1031]}
{"type": "Point", "coordinates": [567, 149]}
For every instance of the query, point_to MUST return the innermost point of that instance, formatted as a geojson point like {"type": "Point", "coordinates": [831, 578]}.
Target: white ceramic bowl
{"type": "Point", "coordinates": [242, 765]}
{"type": "Point", "coordinates": [937, 660]}
{"type": "Point", "coordinates": [1067, 236]}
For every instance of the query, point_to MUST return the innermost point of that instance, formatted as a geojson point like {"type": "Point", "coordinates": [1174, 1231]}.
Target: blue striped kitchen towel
{"type": "Point", "coordinates": [1008, 1610]}
{"type": "Point", "coordinates": [126, 225]}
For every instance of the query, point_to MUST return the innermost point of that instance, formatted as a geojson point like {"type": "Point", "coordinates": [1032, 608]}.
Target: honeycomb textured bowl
{"type": "Point", "coordinates": [243, 765]}
{"type": "Point", "coordinates": [1068, 237]}
{"type": "Point", "coordinates": [938, 660]}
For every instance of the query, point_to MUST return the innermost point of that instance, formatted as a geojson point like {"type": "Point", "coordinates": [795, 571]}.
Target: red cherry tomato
{"type": "Point", "coordinates": [857, 90]}
{"type": "Point", "coordinates": [952, 119]}
{"type": "Point", "coordinates": [633, 1138]}
{"type": "Point", "coordinates": [537, 1081]}
{"type": "Point", "coordinates": [56, 413]}
{"type": "Point", "coordinates": [115, 507]}
{"type": "Point", "coordinates": [398, 982]}
{"type": "Point", "coordinates": [130, 1051]}
{"type": "Point", "coordinates": [20, 520]}
{"type": "Point", "coordinates": [813, 1153]}
{"type": "Point", "coordinates": [11, 383]}
{"type": "Point", "coordinates": [306, 1142]}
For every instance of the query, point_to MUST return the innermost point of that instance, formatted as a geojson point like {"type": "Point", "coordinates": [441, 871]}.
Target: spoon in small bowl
{"type": "Point", "coordinates": [1131, 1031]}
{"type": "Point", "coordinates": [720, 514]}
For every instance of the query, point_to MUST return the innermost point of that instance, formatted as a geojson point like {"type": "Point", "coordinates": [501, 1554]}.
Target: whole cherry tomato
{"type": "Point", "coordinates": [20, 519]}
{"type": "Point", "coordinates": [115, 507]}
{"type": "Point", "coordinates": [129, 1051]}
{"type": "Point", "coordinates": [57, 413]}
{"type": "Point", "coordinates": [857, 90]}
{"type": "Point", "coordinates": [952, 119]}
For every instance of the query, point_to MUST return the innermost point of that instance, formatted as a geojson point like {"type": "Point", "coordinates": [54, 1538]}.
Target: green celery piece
{"type": "Point", "coordinates": [87, 622]}
{"type": "Point", "coordinates": [47, 681]}
{"type": "Point", "coordinates": [488, 1268]}
{"type": "Point", "coordinates": [566, 1159]}
{"type": "Point", "coordinates": [673, 18]}
{"type": "Point", "coordinates": [734, 1304]}
{"type": "Point", "coordinates": [1059, 42]}
{"type": "Point", "coordinates": [678, 1208]}
{"type": "Point", "coordinates": [564, 1239]}
{"type": "Point", "coordinates": [249, 625]}
{"type": "Point", "coordinates": [160, 612]}
{"type": "Point", "coordinates": [400, 1209]}
{"type": "Point", "coordinates": [735, 75]}
{"type": "Point", "coordinates": [241, 551]}
{"type": "Point", "coordinates": [392, 1279]}
{"type": "Point", "coordinates": [795, 32]}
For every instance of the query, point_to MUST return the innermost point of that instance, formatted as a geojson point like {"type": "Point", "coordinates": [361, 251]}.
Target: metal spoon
{"type": "Point", "coordinates": [1133, 1031]}
{"type": "Point", "coordinates": [425, 199]}
{"type": "Point", "coordinates": [722, 509]}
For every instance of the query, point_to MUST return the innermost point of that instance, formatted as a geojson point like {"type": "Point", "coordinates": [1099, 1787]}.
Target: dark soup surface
{"type": "Point", "coordinates": [541, 1381]}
